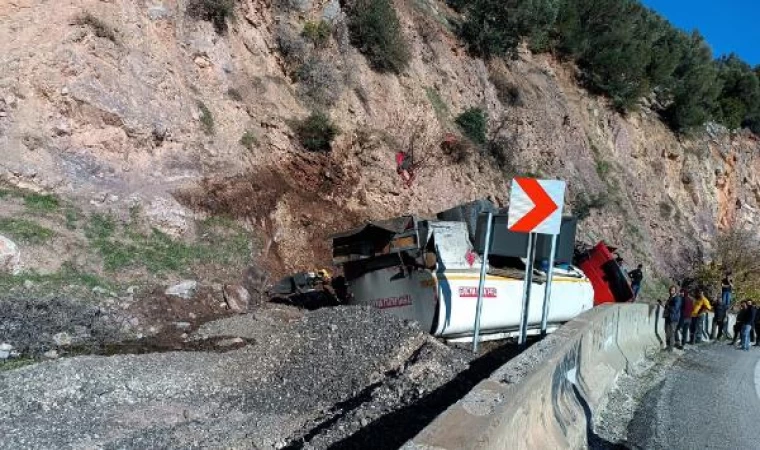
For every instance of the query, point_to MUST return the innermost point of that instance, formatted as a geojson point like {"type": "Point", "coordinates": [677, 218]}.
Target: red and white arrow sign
{"type": "Point", "coordinates": [535, 206]}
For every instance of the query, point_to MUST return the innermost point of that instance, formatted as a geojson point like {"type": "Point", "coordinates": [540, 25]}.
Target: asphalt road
{"type": "Point", "coordinates": [708, 399]}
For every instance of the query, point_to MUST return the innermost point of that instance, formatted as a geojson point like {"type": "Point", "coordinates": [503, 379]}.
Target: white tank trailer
{"type": "Point", "coordinates": [429, 271]}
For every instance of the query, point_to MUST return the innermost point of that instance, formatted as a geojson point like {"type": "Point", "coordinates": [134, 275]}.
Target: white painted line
{"type": "Point", "coordinates": [757, 379]}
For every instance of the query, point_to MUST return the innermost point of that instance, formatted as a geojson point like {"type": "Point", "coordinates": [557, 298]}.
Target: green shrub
{"type": "Point", "coordinates": [25, 231]}
{"type": "Point", "coordinates": [316, 132]}
{"type": "Point", "coordinates": [72, 216]}
{"type": "Point", "coordinates": [317, 32]}
{"type": "Point", "coordinates": [207, 119]}
{"type": "Point", "coordinates": [320, 81]}
{"type": "Point", "coordinates": [458, 150]}
{"type": "Point", "coordinates": [293, 46]}
{"type": "Point", "coordinates": [234, 94]}
{"type": "Point", "coordinates": [249, 140]}
{"type": "Point", "coordinates": [584, 204]}
{"type": "Point", "coordinates": [17, 363]}
{"type": "Point", "coordinates": [440, 106]}
{"type": "Point", "coordinates": [98, 27]}
{"type": "Point", "coordinates": [221, 242]}
{"type": "Point", "coordinates": [376, 31]}
{"type": "Point", "coordinates": [41, 202]}
{"type": "Point", "coordinates": [458, 5]}
{"type": "Point", "coordinates": [666, 210]}
{"type": "Point", "coordinates": [215, 11]}
{"type": "Point", "coordinates": [603, 168]}
{"type": "Point", "coordinates": [34, 202]}
{"type": "Point", "coordinates": [100, 226]}
{"type": "Point", "coordinates": [474, 124]}
{"type": "Point", "coordinates": [507, 92]}
{"type": "Point", "coordinates": [494, 27]}
{"type": "Point", "coordinates": [502, 151]}
{"type": "Point", "coordinates": [67, 275]}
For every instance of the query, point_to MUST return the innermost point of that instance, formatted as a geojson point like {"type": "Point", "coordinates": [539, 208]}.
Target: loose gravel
{"type": "Point", "coordinates": [345, 377]}
{"type": "Point", "coordinates": [39, 324]}
{"type": "Point", "coordinates": [613, 417]}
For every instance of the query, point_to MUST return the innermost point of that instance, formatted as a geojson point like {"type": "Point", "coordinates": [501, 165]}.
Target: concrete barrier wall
{"type": "Point", "coordinates": [544, 398]}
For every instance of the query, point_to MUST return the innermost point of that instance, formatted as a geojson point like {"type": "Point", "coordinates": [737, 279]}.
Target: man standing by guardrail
{"type": "Point", "coordinates": [747, 318]}
{"type": "Point", "coordinates": [720, 320]}
{"type": "Point", "coordinates": [684, 322]}
{"type": "Point", "coordinates": [637, 276]}
{"type": "Point", "coordinates": [672, 314]}
{"type": "Point", "coordinates": [699, 316]}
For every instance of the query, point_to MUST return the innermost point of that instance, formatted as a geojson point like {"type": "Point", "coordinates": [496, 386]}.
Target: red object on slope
{"type": "Point", "coordinates": [400, 159]}
{"type": "Point", "coordinates": [609, 282]}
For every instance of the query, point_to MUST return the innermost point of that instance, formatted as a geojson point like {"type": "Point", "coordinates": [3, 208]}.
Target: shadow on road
{"type": "Point", "coordinates": [593, 440]}
{"type": "Point", "coordinates": [393, 430]}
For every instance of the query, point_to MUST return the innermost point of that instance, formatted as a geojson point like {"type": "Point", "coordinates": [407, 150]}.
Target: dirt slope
{"type": "Point", "coordinates": [121, 118]}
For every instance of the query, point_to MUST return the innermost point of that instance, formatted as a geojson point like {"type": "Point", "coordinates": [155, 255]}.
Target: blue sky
{"type": "Point", "coordinates": [727, 25]}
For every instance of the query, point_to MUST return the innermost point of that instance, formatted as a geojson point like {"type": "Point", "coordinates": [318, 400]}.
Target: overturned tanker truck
{"type": "Point", "coordinates": [429, 270]}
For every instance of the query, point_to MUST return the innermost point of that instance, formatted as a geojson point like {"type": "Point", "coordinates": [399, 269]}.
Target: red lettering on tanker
{"type": "Point", "coordinates": [393, 302]}
{"type": "Point", "coordinates": [472, 292]}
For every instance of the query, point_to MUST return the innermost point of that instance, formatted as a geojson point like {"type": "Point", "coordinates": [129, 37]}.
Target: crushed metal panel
{"type": "Point", "coordinates": [453, 246]}
{"type": "Point", "coordinates": [376, 239]}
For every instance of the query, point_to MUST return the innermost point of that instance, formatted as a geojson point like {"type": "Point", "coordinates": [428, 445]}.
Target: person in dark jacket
{"type": "Point", "coordinates": [740, 316]}
{"type": "Point", "coordinates": [747, 319]}
{"type": "Point", "coordinates": [637, 276]}
{"type": "Point", "coordinates": [684, 322]}
{"type": "Point", "coordinates": [719, 322]}
{"type": "Point", "coordinates": [671, 314]}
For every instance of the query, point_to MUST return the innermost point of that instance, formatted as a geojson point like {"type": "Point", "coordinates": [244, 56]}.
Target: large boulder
{"type": "Point", "coordinates": [10, 256]}
{"type": "Point", "coordinates": [184, 289]}
{"type": "Point", "coordinates": [5, 351]}
{"type": "Point", "coordinates": [237, 298]}
{"type": "Point", "coordinates": [169, 217]}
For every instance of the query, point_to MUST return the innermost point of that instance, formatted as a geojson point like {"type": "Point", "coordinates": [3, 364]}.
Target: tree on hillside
{"type": "Point", "coordinates": [625, 51]}
{"type": "Point", "coordinates": [667, 52]}
{"type": "Point", "coordinates": [696, 87]}
{"type": "Point", "coordinates": [740, 96]}
{"type": "Point", "coordinates": [736, 250]}
{"type": "Point", "coordinates": [495, 27]}
{"type": "Point", "coordinates": [619, 56]}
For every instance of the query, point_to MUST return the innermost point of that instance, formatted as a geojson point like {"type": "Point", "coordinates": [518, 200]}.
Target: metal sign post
{"type": "Point", "coordinates": [481, 286]}
{"type": "Point", "coordinates": [522, 340]}
{"type": "Point", "coordinates": [535, 206]}
{"type": "Point", "coordinates": [548, 286]}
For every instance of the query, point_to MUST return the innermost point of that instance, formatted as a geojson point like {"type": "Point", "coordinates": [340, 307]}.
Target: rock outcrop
{"type": "Point", "coordinates": [10, 256]}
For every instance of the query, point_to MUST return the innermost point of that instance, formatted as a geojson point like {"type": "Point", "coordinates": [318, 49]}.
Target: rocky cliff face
{"type": "Point", "coordinates": [131, 102]}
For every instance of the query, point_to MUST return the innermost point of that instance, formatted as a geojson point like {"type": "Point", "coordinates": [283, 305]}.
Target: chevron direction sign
{"type": "Point", "coordinates": [535, 206]}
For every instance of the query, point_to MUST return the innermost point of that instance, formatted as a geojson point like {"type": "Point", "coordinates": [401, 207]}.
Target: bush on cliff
{"type": "Point", "coordinates": [215, 11]}
{"type": "Point", "coordinates": [376, 31]}
{"type": "Point", "coordinates": [316, 132]}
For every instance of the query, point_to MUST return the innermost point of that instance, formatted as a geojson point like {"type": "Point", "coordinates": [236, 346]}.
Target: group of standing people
{"type": "Point", "coordinates": [746, 324]}
{"type": "Point", "coordinates": [686, 318]}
